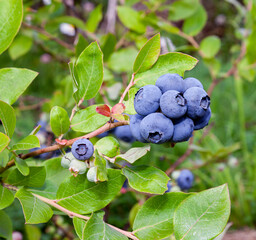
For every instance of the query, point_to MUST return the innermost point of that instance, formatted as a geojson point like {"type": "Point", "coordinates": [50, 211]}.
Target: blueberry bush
{"type": "Point", "coordinates": [119, 119]}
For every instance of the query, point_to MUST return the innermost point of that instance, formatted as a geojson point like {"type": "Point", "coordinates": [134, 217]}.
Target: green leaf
{"type": "Point", "coordinates": [155, 218]}
{"type": "Point", "coordinates": [203, 215]}
{"type": "Point", "coordinates": [194, 24]}
{"type": "Point", "coordinates": [148, 55]}
{"type": "Point", "coordinates": [100, 164]}
{"type": "Point", "coordinates": [88, 120]}
{"type": "Point", "coordinates": [33, 232]}
{"type": "Point", "coordinates": [6, 197]}
{"type": "Point", "coordinates": [146, 179]}
{"type": "Point", "coordinates": [28, 142]}
{"type": "Point", "coordinates": [4, 141]}
{"type": "Point", "coordinates": [168, 63]}
{"type": "Point", "coordinates": [20, 46]}
{"type": "Point", "coordinates": [210, 46]}
{"type": "Point", "coordinates": [131, 19]}
{"type": "Point", "coordinates": [7, 116]}
{"type": "Point", "coordinates": [94, 19]}
{"type": "Point", "coordinates": [22, 166]}
{"type": "Point", "coordinates": [55, 175]}
{"type": "Point", "coordinates": [5, 223]}
{"type": "Point", "coordinates": [134, 154]}
{"type": "Point", "coordinates": [183, 9]}
{"type": "Point", "coordinates": [4, 158]}
{"type": "Point", "coordinates": [81, 44]}
{"type": "Point", "coordinates": [108, 46]}
{"type": "Point", "coordinates": [59, 120]}
{"type": "Point", "coordinates": [79, 225]}
{"type": "Point", "coordinates": [95, 195]}
{"type": "Point", "coordinates": [89, 72]}
{"type": "Point", "coordinates": [13, 82]}
{"type": "Point", "coordinates": [10, 21]}
{"type": "Point", "coordinates": [129, 104]}
{"type": "Point", "coordinates": [122, 60]}
{"type": "Point", "coordinates": [108, 146]}
{"type": "Point", "coordinates": [35, 178]}
{"type": "Point", "coordinates": [96, 229]}
{"type": "Point", "coordinates": [35, 211]}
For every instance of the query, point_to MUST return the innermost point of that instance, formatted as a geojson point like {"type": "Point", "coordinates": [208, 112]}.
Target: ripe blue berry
{"type": "Point", "coordinates": [169, 186]}
{"type": "Point", "coordinates": [173, 104]}
{"type": "Point", "coordinates": [124, 133]}
{"type": "Point", "coordinates": [135, 121]}
{"type": "Point", "coordinates": [147, 99]}
{"type": "Point", "coordinates": [156, 128]}
{"type": "Point", "coordinates": [102, 135]}
{"type": "Point", "coordinates": [203, 121]}
{"type": "Point", "coordinates": [185, 180]}
{"type": "Point", "coordinates": [183, 129]}
{"type": "Point", "coordinates": [197, 101]}
{"type": "Point", "coordinates": [170, 82]}
{"type": "Point", "coordinates": [192, 82]}
{"type": "Point", "coordinates": [82, 149]}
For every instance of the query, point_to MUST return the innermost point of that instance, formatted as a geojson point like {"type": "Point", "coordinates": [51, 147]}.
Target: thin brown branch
{"type": "Point", "coordinates": [50, 36]}
{"type": "Point", "coordinates": [127, 88]}
{"type": "Point", "coordinates": [106, 127]}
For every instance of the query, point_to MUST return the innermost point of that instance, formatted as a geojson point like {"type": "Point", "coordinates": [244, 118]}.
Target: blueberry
{"type": "Point", "coordinates": [185, 180]}
{"type": "Point", "coordinates": [82, 149]}
{"type": "Point", "coordinates": [192, 82]}
{"type": "Point", "coordinates": [203, 121]}
{"type": "Point", "coordinates": [197, 101]}
{"type": "Point", "coordinates": [77, 167]}
{"type": "Point", "coordinates": [173, 104]}
{"type": "Point", "coordinates": [124, 133]}
{"type": "Point", "coordinates": [156, 128]}
{"type": "Point", "coordinates": [92, 174]}
{"type": "Point", "coordinates": [67, 159]}
{"type": "Point", "coordinates": [183, 129]}
{"type": "Point", "coordinates": [170, 82]}
{"type": "Point", "coordinates": [147, 99]}
{"type": "Point", "coordinates": [135, 127]}
{"type": "Point", "coordinates": [43, 124]}
{"type": "Point", "coordinates": [169, 186]}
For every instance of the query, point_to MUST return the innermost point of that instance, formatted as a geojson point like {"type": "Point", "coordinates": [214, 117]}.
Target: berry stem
{"type": "Point", "coordinates": [127, 88]}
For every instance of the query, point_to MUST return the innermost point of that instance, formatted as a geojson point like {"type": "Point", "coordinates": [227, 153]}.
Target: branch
{"type": "Point", "coordinates": [127, 88]}
{"type": "Point", "coordinates": [108, 126]}
{"type": "Point", "coordinates": [50, 36]}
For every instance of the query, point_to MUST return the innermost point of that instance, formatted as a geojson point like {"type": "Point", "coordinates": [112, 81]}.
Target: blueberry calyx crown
{"type": "Point", "coordinates": [81, 149]}
{"type": "Point", "coordinates": [205, 102]}
{"type": "Point", "coordinates": [180, 99]}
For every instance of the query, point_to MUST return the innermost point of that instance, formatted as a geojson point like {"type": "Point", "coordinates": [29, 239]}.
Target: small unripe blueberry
{"type": "Point", "coordinates": [82, 149]}
{"type": "Point", "coordinates": [147, 99]}
{"type": "Point", "coordinates": [170, 82]}
{"type": "Point", "coordinates": [77, 167]}
{"type": "Point", "coordinates": [173, 104]}
{"type": "Point", "coordinates": [67, 159]}
{"type": "Point", "coordinates": [92, 174]}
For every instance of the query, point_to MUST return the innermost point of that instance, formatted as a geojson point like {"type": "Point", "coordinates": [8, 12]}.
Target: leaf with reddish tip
{"type": "Point", "coordinates": [103, 110]}
{"type": "Point", "coordinates": [118, 117]}
{"type": "Point", "coordinates": [118, 108]}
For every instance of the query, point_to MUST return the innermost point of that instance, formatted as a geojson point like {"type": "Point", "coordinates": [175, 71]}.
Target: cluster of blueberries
{"type": "Point", "coordinates": [184, 180]}
{"type": "Point", "coordinates": [81, 150]}
{"type": "Point", "coordinates": [170, 110]}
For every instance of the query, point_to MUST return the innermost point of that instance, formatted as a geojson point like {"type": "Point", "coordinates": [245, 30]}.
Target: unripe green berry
{"type": "Point", "coordinates": [77, 167]}
{"type": "Point", "coordinates": [92, 174]}
{"type": "Point", "coordinates": [108, 146]}
{"type": "Point", "coordinates": [67, 159]}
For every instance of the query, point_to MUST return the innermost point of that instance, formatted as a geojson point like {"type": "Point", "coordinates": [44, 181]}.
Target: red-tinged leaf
{"type": "Point", "coordinates": [103, 110]}
{"type": "Point", "coordinates": [118, 108]}
{"type": "Point", "coordinates": [118, 117]}
{"type": "Point", "coordinates": [61, 142]}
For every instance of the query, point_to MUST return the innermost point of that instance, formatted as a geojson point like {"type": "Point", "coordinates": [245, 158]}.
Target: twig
{"type": "Point", "coordinates": [70, 213]}
{"type": "Point", "coordinates": [50, 36]}
{"type": "Point", "coordinates": [127, 88]}
{"type": "Point", "coordinates": [106, 127]}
